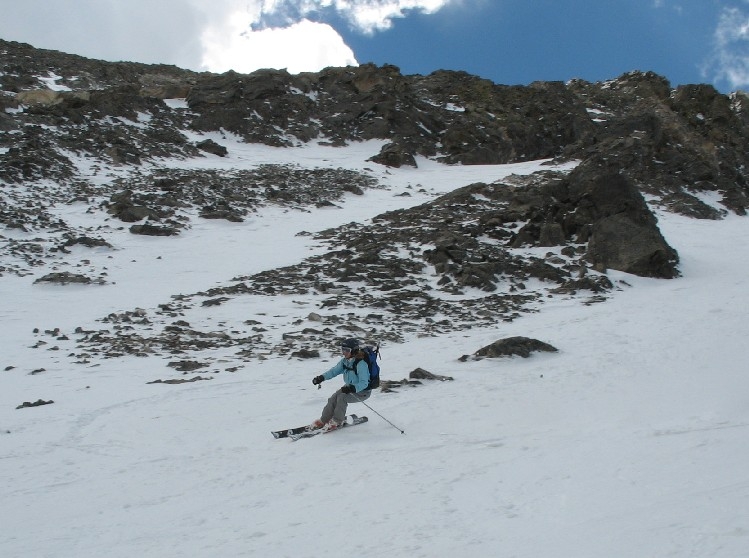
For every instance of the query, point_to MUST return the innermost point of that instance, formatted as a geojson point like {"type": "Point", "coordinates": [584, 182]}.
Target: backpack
{"type": "Point", "coordinates": [374, 369]}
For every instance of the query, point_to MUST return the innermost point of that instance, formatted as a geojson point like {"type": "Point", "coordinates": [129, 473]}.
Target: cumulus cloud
{"type": "Point", "coordinates": [215, 35]}
{"type": "Point", "coordinates": [730, 61]}
{"type": "Point", "coordinates": [300, 47]}
{"type": "Point", "coordinates": [281, 33]}
{"type": "Point", "coordinates": [367, 16]}
{"type": "Point", "coordinates": [292, 34]}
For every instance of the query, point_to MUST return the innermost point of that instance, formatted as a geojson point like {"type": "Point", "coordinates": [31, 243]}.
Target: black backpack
{"type": "Point", "coordinates": [374, 369]}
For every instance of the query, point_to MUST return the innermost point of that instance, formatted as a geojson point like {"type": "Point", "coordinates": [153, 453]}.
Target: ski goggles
{"type": "Point", "coordinates": [346, 349]}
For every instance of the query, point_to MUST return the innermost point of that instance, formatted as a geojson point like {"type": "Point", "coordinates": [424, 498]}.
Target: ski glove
{"type": "Point", "coordinates": [317, 380]}
{"type": "Point", "coordinates": [348, 388]}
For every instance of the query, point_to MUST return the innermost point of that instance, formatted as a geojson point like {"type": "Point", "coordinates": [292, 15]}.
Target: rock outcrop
{"type": "Point", "coordinates": [672, 143]}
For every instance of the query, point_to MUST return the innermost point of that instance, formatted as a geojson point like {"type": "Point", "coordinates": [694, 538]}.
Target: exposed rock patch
{"type": "Point", "coordinates": [153, 230]}
{"type": "Point", "coordinates": [415, 379]}
{"type": "Point", "coordinates": [37, 403]}
{"type": "Point", "coordinates": [67, 278]}
{"type": "Point", "coordinates": [175, 381]}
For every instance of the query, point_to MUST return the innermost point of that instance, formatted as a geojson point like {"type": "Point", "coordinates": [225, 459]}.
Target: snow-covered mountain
{"type": "Point", "coordinates": [182, 253]}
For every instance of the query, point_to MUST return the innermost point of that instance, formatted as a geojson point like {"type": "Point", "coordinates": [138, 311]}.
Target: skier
{"type": "Point", "coordinates": [356, 377]}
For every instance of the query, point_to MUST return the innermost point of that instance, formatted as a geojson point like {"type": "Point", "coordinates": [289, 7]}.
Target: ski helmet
{"type": "Point", "coordinates": [352, 344]}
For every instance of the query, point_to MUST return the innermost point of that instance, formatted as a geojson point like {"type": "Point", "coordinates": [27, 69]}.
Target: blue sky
{"type": "Point", "coordinates": [506, 41]}
{"type": "Point", "coordinates": [519, 41]}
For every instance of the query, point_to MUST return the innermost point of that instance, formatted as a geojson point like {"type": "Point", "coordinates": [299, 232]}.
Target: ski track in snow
{"type": "Point", "coordinates": [629, 442]}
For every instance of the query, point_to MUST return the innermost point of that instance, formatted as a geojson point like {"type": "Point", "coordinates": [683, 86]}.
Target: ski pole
{"type": "Point", "coordinates": [379, 415]}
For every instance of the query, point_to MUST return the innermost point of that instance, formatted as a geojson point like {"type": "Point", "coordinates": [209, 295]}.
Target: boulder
{"type": "Point", "coordinates": [610, 212]}
{"type": "Point", "coordinates": [210, 146]}
{"type": "Point", "coordinates": [125, 207]}
{"type": "Point", "coordinates": [306, 353]}
{"type": "Point", "coordinates": [65, 278]}
{"type": "Point", "coordinates": [511, 346]}
{"type": "Point", "coordinates": [421, 374]}
{"type": "Point", "coordinates": [394, 155]}
{"type": "Point", "coordinates": [595, 204]}
{"type": "Point", "coordinates": [37, 403]}
{"type": "Point", "coordinates": [623, 243]}
{"type": "Point", "coordinates": [153, 230]}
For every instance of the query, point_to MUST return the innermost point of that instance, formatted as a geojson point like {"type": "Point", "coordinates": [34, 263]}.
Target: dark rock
{"type": "Point", "coordinates": [180, 380]}
{"type": "Point", "coordinates": [620, 242]}
{"type": "Point", "coordinates": [215, 301]}
{"type": "Point", "coordinates": [394, 155]}
{"type": "Point", "coordinates": [135, 213]}
{"type": "Point", "coordinates": [598, 205]}
{"type": "Point", "coordinates": [187, 365]}
{"type": "Point", "coordinates": [153, 230]}
{"type": "Point", "coordinates": [414, 380]}
{"type": "Point", "coordinates": [37, 403]}
{"type": "Point", "coordinates": [421, 374]}
{"type": "Point", "coordinates": [65, 278]}
{"type": "Point", "coordinates": [86, 241]}
{"type": "Point", "coordinates": [521, 346]}
{"type": "Point", "coordinates": [593, 283]}
{"type": "Point", "coordinates": [306, 353]}
{"type": "Point", "coordinates": [227, 214]}
{"type": "Point", "coordinates": [210, 146]}
{"type": "Point", "coordinates": [551, 234]}
{"type": "Point", "coordinates": [7, 124]}
{"type": "Point", "coordinates": [125, 207]}
{"type": "Point", "coordinates": [691, 206]}
{"type": "Point", "coordinates": [622, 231]}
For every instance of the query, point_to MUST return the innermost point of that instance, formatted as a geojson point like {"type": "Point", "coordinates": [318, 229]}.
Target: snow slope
{"type": "Point", "coordinates": [628, 442]}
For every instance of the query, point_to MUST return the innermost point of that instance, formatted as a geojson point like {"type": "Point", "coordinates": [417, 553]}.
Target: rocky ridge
{"type": "Point", "coordinates": [464, 260]}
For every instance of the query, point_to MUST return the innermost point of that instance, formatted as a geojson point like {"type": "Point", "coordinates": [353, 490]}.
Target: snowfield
{"type": "Point", "coordinates": [630, 442]}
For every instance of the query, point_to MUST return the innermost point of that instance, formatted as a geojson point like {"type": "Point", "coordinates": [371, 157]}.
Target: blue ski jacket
{"type": "Point", "coordinates": [359, 378]}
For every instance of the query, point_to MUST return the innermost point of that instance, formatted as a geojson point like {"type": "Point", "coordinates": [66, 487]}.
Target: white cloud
{"type": "Point", "coordinates": [303, 46]}
{"type": "Point", "coordinates": [365, 16]}
{"type": "Point", "coordinates": [216, 35]}
{"type": "Point", "coordinates": [730, 61]}
{"type": "Point", "coordinates": [375, 15]}
{"type": "Point", "coordinates": [278, 33]}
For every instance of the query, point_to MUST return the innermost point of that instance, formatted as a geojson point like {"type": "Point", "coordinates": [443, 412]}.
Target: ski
{"type": "Point", "coordinates": [290, 432]}
{"type": "Point", "coordinates": [351, 420]}
{"type": "Point", "coordinates": [303, 431]}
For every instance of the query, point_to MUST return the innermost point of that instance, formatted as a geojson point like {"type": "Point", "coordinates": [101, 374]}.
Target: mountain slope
{"type": "Point", "coordinates": [625, 442]}
{"type": "Point", "coordinates": [183, 252]}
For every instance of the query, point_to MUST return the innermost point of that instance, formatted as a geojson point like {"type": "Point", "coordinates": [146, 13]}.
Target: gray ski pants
{"type": "Point", "coordinates": [338, 403]}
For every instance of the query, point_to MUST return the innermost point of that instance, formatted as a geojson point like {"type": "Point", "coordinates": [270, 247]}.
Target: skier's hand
{"type": "Point", "coordinates": [317, 380]}
{"type": "Point", "coordinates": [348, 388]}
